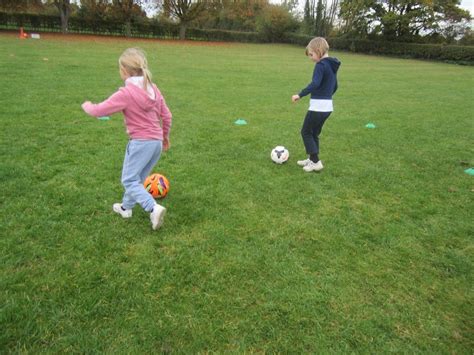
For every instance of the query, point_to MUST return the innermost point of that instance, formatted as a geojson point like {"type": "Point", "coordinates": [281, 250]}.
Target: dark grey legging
{"type": "Point", "coordinates": [312, 126]}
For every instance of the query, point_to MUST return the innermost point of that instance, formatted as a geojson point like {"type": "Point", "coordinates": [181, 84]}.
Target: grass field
{"type": "Point", "coordinates": [373, 255]}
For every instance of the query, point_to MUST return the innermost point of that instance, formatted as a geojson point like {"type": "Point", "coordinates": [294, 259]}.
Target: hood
{"type": "Point", "coordinates": [145, 99]}
{"type": "Point", "coordinates": [333, 63]}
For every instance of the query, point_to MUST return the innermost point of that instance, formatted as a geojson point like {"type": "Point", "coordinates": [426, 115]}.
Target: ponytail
{"type": "Point", "coordinates": [134, 62]}
{"type": "Point", "coordinates": [146, 78]}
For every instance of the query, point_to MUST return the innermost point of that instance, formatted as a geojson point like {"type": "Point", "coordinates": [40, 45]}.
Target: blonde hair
{"type": "Point", "coordinates": [317, 45]}
{"type": "Point", "coordinates": [133, 62]}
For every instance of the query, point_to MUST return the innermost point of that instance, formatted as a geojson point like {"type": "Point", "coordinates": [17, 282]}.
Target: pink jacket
{"type": "Point", "coordinates": [145, 118]}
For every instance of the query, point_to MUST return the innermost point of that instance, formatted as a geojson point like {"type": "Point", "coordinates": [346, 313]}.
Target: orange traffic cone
{"type": "Point", "coordinates": [23, 35]}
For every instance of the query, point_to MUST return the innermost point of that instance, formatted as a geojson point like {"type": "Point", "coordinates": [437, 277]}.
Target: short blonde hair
{"type": "Point", "coordinates": [133, 62]}
{"type": "Point", "coordinates": [317, 45]}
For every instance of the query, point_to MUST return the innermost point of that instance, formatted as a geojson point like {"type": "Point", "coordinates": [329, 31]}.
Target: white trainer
{"type": "Point", "coordinates": [157, 216]}
{"type": "Point", "coordinates": [117, 207]}
{"type": "Point", "coordinates": [313, 166]}
{"type": "Point", "coordinates": [303, 162]}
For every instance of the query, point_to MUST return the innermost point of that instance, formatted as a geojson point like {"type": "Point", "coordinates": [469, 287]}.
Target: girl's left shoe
{"type": "Point", "coordinates": [311, 166]}
{"type": "Point", "coordinates": [157, 216]}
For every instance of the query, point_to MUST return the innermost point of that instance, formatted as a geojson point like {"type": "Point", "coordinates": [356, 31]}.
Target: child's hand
{"type": "Point", "coordinates": [85, 105]}
{"type": "Point", "coordinates": [166, 144]}
{"type": "Point", "coordinates": [295, 98]}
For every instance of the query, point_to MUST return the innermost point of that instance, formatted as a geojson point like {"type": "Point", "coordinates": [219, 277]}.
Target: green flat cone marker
{"type": "Point", "coordinates": [104, 118]}
{"type": "Point", "coordinates": [369, 125]}
{"type": "Point", "coordinates": [240, 122]}
{"type": "Point", "coordinates": [469, 171]}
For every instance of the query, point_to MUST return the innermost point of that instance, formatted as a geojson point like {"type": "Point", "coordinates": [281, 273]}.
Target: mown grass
{"type": "Point", "coordinates": [374, 254]}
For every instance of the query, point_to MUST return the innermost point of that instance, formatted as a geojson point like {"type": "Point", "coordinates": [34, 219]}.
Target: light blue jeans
{"type": "Point", "coordinates": [140, 157]}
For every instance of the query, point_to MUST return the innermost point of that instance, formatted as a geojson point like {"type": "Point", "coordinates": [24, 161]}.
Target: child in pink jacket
{"type": "Point", "coordinates": [148, 123]}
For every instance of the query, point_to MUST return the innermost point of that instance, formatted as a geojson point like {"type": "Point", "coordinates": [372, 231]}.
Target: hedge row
{"type": "Point", "coordinates": [150, 28]}
{"type": "Point", "coordinates": [145, 28]}
{"type": "Point", "coordinates": [449, 53]}
{"type": "Point", "coordinates": [223, 35]}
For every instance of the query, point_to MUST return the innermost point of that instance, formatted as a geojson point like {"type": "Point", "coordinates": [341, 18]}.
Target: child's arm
{"type": "Point", "coordinates": [113, 104]}
{"type": "Point", "coordinates": [165, 115]}
{"type": "Point", "coordinates": [315, 82]}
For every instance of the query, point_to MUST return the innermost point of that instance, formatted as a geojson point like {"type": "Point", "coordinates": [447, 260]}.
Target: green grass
{"type": "Point", "coordinates": [373, 255]}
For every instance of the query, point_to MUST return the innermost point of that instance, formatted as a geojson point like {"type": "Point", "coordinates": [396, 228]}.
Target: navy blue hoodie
{"type": "Point", "coordinates": [324, 82]}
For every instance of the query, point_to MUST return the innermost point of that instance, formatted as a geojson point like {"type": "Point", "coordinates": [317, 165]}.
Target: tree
{"type": "Point", "coordinates": [127, 10]}
{"type": "Point", "coordinates": [274, 21]}
{"type": "Point", "coordinates": [405, 20]}
{"type": "Point", "coordinates": [331, 15]}
{"type": "Point", "coordinates": [94, 9]}
{"type": "Point", "coordinates": [402, 20]}
{"type": "Point", "coordinates": [358, 17]}
{"type": "Point", "coordinates": [319, 16]}
{"type": "Point", "coordinates": [64, 7]}
{"type": "Point", "coordinates": [13, 5]}
{"type": "Point", "coordinates": [20, 5]}
{"type": "Point", "coordinates": [454, 21]}
{"type": "Point", "coordinates": [183, 10]}
{"type": "Point", "coordinates": [94, 12]}
{"type": "Point", "coordinates": [234, 15]}
{"type": "Point", "coordinates": [308, 17]}
{"type": "Point", "coordinates": [467, 39]}
{"type": "Point", "coordinates": [290, 5]}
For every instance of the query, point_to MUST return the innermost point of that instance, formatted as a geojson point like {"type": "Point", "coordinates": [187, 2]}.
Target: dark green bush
{"type": "Point", "coordinates": [34, 22]}
{"type": "Point", "coordinates": [222, 35]}
{"type": "Point", "coordinates": [30, 21]}
{"type": "Point", "coordinates": [273, 23]}
{"type": "Point", "coordinates": [450, 53]}
{"type": "Point", "coordinates": [147, 28]}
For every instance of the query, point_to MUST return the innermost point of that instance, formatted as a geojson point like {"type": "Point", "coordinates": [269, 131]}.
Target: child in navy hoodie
{"type": "Point", "coordinates": [322, 87]}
